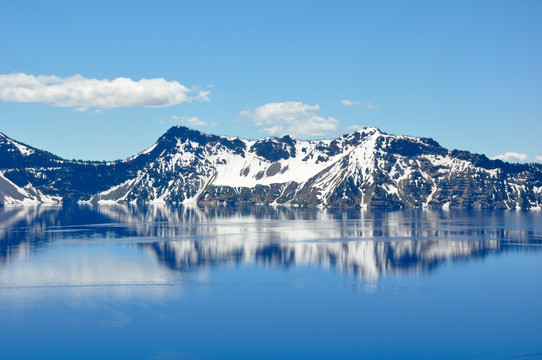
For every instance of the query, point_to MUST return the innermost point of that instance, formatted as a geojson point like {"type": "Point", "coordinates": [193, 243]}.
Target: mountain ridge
{"type": "Point", "coordinates": [365, 168]}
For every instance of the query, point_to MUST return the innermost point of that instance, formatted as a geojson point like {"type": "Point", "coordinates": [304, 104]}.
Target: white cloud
{"type": "Point", "coordinates": [538, 158]}
{"type": "Point", "coordinates": [347, 102]}
{"type": "Point", "coordinates": [293, 118]}
{"type": "Point", "coordinates": [191, 121]}
{"type": "Point", "coordinates": [85, 94]}
{"type": "Point", "coordinates": [372, 106]}
{"type": "Point", "coordinates": [511, 157]}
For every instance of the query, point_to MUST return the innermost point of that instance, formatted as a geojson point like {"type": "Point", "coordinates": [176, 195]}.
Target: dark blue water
{"type": "Point", "coordinates": [118, 282]}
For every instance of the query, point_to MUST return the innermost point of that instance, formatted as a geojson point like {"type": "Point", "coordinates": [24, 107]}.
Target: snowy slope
{"type": "Point", "coordinates": [14, 195]}
{"type": "Point", "coordinates": [13, 146]}
{"type": "Point", "coordinates": [366, 168]}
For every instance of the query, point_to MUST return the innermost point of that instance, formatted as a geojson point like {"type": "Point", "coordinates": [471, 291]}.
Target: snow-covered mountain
{"type": "Point", "coordinates": [366, 168]}
{"type": "Point", "coordinates": [17, 155]}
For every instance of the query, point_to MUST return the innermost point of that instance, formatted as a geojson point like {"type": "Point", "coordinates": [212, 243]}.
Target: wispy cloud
{"type": "Point", "coordinates": [84, 94]}
{"type": "Point", "coordinates": [538, 158]}
{"type": "Point", "coordinates": [372, 106]}
{"type": "Point", "coordinates": [511, 157]}
{"type": "Point", "coordinates": [202, 96]}
{"type": "Point", "coordinates": [293, 118]}
{"type": "Point", "coordinates": [347, 102]}
{"type": "Point", "coordinates": [191, 121]}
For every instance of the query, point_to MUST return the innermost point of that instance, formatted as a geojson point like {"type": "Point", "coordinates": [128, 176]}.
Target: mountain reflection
{"type": "Point", "coordinates": [368, 259]}
{"type": "Point", "coordinates": [366, 243]}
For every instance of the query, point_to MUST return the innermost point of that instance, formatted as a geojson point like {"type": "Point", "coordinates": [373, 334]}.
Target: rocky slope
{"type": "Point", "coordinates": [366, 168]}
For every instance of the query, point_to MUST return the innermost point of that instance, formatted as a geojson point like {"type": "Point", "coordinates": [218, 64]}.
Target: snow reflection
{"type": "Point", "coordinates": [131, 247]}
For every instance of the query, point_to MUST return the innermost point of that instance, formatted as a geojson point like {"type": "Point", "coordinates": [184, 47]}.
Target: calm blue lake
{"type": "Point", "coordinates": [161, 283]}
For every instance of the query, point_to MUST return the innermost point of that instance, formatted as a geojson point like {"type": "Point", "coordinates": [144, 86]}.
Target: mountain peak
{"type": "Point", "coordinates": [367, 130]}
{"type": "Point", "coordinates": [181, 131]}
{"type": "Point", "coordinates": [15, 146]}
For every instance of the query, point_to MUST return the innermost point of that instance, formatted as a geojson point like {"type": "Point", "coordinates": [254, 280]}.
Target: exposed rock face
{"type": "Point", "coordinates": [366, 168]}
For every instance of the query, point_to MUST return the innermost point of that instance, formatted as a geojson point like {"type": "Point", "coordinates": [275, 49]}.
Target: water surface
{"type": "Point", "coordinates": [126, 282]}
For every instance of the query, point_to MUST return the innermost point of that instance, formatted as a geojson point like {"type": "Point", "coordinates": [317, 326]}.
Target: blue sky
{"type": "Point", "coordinates": [466, 73]}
